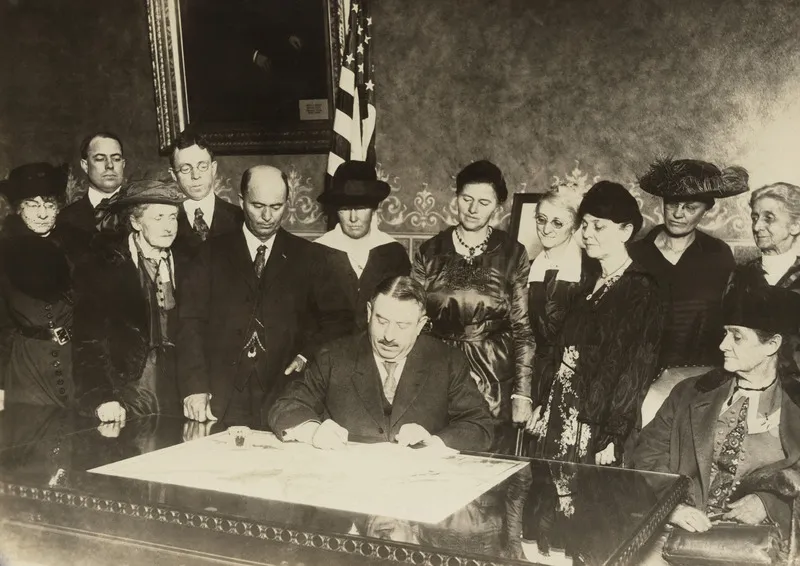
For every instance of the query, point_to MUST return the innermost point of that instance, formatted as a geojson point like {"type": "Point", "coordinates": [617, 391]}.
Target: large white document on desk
{"type": "Point", "coordinates": [418, 485]}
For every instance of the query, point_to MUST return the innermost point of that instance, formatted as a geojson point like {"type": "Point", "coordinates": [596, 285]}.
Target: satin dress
{"type": "Point", "coordinates": [481, 307]}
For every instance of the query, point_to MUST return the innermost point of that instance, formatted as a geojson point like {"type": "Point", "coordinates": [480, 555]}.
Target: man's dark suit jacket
{"type": "Point", "coordinates": [79, 214]}
{"type": "Point", "coordinates": [385, 261]}
{"type": "Point", "coordinates": [434, 391]}
{"type": "Point", "coordinates": [220, 295]}
{"type": "Point", "coordinates": [227, 218]}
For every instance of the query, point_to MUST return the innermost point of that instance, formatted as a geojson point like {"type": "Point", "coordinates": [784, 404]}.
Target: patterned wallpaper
{"type": "Point", "coordinates": [550, 90]}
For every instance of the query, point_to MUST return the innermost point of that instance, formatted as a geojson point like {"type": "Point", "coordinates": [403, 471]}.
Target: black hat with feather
{"type": "Point", "coordinates": [681, 180]}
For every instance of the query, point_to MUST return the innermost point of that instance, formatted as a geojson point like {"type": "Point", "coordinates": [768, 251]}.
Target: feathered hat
{"type": "Point", "coordinates": [692, 179]}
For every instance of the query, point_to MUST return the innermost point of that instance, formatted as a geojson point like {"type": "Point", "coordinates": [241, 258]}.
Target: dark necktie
{"type": "Point", "coordinates": [390, 385]}
{"type": "Point", "coordinates": [261, 259]}
{"type": "Point", "coordinates": [200, 226]}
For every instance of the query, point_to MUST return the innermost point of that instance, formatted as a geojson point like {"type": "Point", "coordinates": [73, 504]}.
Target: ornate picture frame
{"type": "Point", "coordinates": [251, 83]}
{"type": "Point", "coordinates": [522, 225]}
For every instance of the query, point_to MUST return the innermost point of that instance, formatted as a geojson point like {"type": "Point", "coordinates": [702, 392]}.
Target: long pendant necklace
{"type": "Point", "coordinates": [472, 250]}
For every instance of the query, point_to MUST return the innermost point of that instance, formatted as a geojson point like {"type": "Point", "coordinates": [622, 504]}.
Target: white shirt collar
{"type": "Point", "coordinates": [756, 422]}
{"type": "Point", "coordinates": [96, 196]}
{"type": "Point", "coordinates": [398, 370]}
{"type": "Point", "coordinates": [567, 261]}
{"type": "Point", "coordinates": [153, 253]}
{"type": "Point", "coordinates": [776, 266]}
{"type": "Point", "coordinates": [357, 250]}
{"type": "Point", "coordinates": [206, 204]}
{"type": "Point", "coordinates": [253, 243]}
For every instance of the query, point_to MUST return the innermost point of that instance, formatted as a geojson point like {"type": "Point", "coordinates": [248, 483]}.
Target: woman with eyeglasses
{"type": "Point", "coordinates": [37, 258]}
{"type": "Point", "coordinates": [559, 274]}
{"type": "Point", "coordinates": [692, 267]}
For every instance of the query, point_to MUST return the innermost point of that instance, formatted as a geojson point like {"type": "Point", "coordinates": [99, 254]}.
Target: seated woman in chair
{"type": "Point", "coordinates": [735, 431]}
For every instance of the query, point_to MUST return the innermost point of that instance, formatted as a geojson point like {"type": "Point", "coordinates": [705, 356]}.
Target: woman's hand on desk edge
{"type": "Point", "coordinates": [110, 411]}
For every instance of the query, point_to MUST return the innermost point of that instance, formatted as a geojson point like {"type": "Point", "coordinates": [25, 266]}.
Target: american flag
{"type": "Point", "coordinates": [354, 120]}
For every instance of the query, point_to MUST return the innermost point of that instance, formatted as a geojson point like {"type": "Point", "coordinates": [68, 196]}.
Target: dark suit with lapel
{"type": "Point", "coordinates": [220, 296]}
{"type": "Point", "coordinates": [227, 218]}
{"type": "Point", "coordinates": [112, 333]}
{"type": "Point", "coordinates": [435, 391]}
{"type": "Point", "coordinates": [352, 293]}
{"type": "Point", "coordinates": [680, 439]}
{"type": "Point", "coordinates": [79, 214]}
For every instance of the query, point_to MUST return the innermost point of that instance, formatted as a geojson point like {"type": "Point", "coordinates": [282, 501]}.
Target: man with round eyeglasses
{"type": "Point", "coordinates": [204, 214]}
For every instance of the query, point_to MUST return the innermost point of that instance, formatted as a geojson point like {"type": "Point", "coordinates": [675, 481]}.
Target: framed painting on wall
{"type": "Point", "coordinates": [522, 224]}
{"type": "Point", "coordinates": [252, 76]}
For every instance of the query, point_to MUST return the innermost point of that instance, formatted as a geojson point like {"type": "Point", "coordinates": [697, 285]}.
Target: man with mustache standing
{"type": "Point", "coordinates": [387, 385]}
{"type": "Point", "coordinates": [104, 165]}
{"type": "Point", "coordinates": [247, 309]}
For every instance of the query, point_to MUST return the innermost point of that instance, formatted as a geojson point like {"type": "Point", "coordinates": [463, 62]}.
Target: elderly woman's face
{"type": "Point", "coordinates": [555, 225]}
{"type": "Point", "coordinates": [157, 224]}
{"type": "Point", "coordinates": [39, 214]}
{"type": "Point", "coordinates": [743, 351]}
{"type": "Point", "coordinates": [476, 204]}
{"type": "Point", "coordinates": [773, 228]}
{"type": "Point", "coordinates": [603, 237]}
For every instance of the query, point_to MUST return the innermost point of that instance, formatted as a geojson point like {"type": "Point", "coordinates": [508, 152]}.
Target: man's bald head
{"type": "Point", "coordinates": [265, 191]}
{"type": "Point", "coordinates": [263, 176]}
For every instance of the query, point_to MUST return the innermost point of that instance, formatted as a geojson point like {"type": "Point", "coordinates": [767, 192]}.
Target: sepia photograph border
{"type": "Point", "coordinates": [171, 98]}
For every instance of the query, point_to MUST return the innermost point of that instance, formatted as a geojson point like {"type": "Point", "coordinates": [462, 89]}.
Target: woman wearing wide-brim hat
{"type": "Point", "coordinates": [692, 266]}
{"type": "Point", "coordinates": [37, 260]}
{"type": "Point", "coordinates": [359, 255]}
{"type": "Point", "coordinates": [126, 315]}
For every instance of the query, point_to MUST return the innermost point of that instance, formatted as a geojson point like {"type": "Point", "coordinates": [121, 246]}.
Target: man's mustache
{"type": "Point", "coordinates": [383, 342]}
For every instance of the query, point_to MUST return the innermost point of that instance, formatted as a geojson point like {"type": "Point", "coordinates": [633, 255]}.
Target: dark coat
{"type": "Point", "coordinates": [434, 391]}
{"type": "Point", "coordinates": [220, 295]}
{"type": "Point", "coordinates": [227, 218]}
{"type": "Point", "coordinates": [79, 214]}
{"type": "Point", "coordinates": [680, 440]}
{"type": "Point", "coordinates": [112, 330]}
{"type": "Point", "coordinates": [350, 293]}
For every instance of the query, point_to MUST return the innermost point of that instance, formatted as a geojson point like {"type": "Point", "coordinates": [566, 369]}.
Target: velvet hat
{"type": "Point", "coordinates": [692, 179]}
{"type": "Point", "coordinates": [612, 201]}
{"type": "Point", "coordinates": [35, 180]}
{"type": "Point", "coordinates": [148, 192]}
{"type": "Point", "coordinates": [762, 307]}
{"type": "Point", "coordinates": [109, 215]}
{"type": "Point", "coordinates": [355, 183]}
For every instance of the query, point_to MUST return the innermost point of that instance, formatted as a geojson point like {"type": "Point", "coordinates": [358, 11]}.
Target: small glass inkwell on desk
{"type": "Point", "coordinates": [239, 435]}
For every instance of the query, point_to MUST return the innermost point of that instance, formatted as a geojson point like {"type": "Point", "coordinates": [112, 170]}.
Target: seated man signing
{"type": "Point", "coordinates": [387, 385]}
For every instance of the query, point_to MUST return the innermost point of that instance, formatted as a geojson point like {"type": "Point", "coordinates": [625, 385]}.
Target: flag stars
{"type": "Point", "coordinates": [360, 29]}
{"type": "Point", "coordinates": [369, 21]}
{"type": "Point", "coordinates": [360, 49]}
{"type": "Point", "coordinates": [370, 85]}
{"type": "Point", "coordinates": [361, 68]}
{"type": "Point", "coordinates": [366, 39]}
{"type": "Point", "coordinates": [349, 58]}
{"type": "Point", "coordinates": [355, 7]}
